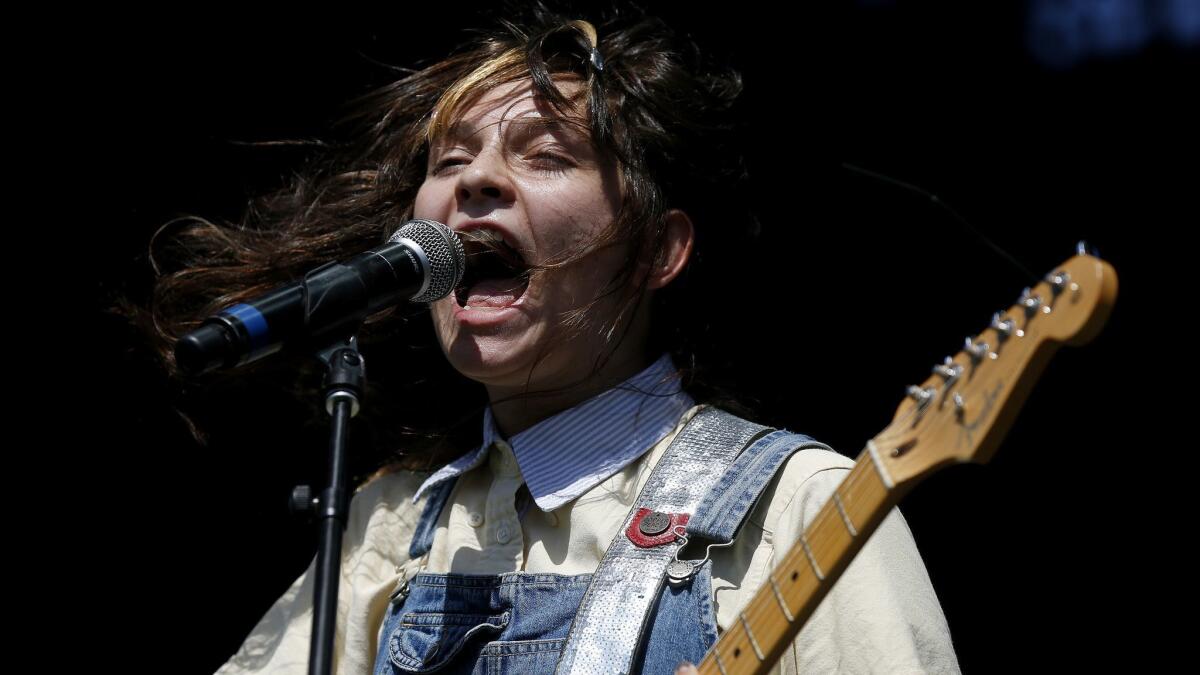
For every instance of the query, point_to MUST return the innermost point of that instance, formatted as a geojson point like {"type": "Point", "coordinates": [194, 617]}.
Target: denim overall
{"type": "Point", "coordinates": [519, 622]}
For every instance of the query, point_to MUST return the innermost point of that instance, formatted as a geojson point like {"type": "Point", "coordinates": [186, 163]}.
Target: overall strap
{"type": "Point", "coordinates": [607, 629]}
{"type": "Point", "coordinates": [422, 539]}
{"type": "Point", "coordinates": [720, 515]}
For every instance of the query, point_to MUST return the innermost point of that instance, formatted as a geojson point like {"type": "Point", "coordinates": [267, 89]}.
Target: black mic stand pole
{"type": "Point", "coordinates": [345, 381]}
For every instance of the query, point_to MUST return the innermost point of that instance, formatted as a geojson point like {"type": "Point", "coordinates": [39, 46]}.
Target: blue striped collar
{"type": "Point", "coordinates": [569, 453]}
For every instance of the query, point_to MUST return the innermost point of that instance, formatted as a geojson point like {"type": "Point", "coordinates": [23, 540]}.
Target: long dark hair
{"type": "Point", "coordinates": [653, 101]}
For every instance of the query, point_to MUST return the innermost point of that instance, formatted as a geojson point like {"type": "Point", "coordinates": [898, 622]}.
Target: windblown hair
{"type": "Point", "coordinates": [650, 100]}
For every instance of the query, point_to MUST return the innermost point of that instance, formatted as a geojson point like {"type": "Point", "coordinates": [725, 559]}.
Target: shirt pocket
{"type": "Point", "coordinates": [424, 642]}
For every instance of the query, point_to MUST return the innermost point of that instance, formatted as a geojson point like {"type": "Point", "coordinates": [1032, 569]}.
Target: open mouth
{"type": "Point", "coordinates": [496, 275]}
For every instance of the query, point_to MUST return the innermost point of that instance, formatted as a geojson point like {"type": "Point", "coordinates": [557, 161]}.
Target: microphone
{"type": "Point", "coordinates": [422, 262]}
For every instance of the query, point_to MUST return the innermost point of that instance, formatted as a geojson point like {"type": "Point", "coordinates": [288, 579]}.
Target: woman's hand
{"type": "Point", "coordinates": [686, 668]}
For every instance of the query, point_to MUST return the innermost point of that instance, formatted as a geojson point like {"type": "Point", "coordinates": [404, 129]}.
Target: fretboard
{"type": "Point", "coordinates": [773, 617]}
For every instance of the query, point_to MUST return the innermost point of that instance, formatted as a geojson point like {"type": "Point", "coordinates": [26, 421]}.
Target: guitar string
{"type": "Point", "coordinates": [989, 336]}
{"type": "Point", "coordinates": [755, 612]}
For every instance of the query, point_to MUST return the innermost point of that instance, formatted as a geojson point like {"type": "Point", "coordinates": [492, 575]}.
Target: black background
{"type": "Point", "coordinates": [1040, 558]}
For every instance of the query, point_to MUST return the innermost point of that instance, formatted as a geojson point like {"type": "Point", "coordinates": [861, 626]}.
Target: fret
{"type": "Point", "coordinates": [779, 599]}
{"type": "Point", "coordinates": [877, 482]}
{"type": "Point", "coordinates": [795, 586]}
{"type": "Point", "coordinates": [863, 495]}
{"type": "Point", "coordinates": [828, 536]}
{"type": "Point", "coordinates": [720, 662]}
{"type": "Point", "coordinates": [736, 648]}
{"type": "Point", "coordinates": [824, 545]}
{"type": "Point", "coordinates": [750, 634]}
{"type": "Point", "coordinates": [879, 468]}
{"type": "Point", "coordinates": [811, 560]}
{"type": "Point", "coordinates": [837, 500]}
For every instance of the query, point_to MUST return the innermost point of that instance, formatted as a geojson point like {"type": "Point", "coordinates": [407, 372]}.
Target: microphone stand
{"type": "Point", "coordinates": [345, 381]}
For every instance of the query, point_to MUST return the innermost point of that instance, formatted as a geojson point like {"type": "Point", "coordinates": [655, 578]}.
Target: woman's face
{"type": "Point", "coordinates": [548, 193]}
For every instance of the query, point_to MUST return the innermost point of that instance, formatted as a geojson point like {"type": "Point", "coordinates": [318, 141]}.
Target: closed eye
{"type": "Point", "coordinates": [447, 162]}
{"type": "Point", "coordinates": [559, 162]}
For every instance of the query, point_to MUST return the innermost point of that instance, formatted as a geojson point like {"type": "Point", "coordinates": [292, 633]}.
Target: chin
{"type": "Point", "coordinates": [488, 361]}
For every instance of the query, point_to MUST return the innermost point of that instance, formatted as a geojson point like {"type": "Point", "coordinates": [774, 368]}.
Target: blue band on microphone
{"type": "Point", "coordinates": [255, 323]}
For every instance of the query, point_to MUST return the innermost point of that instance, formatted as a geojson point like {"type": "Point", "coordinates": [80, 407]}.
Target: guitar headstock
{"type": "Point", "coordinates": [966, 406]}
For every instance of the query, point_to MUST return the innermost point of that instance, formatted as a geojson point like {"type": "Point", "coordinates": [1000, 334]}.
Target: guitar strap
{"type": "Point", "coordinates": [703, 486]}
{"type": "Point", "coordinates": [608, 626]}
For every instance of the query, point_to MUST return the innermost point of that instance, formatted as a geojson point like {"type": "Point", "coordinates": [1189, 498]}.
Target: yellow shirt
{"type": "Point", "coordinates": [881, 616]}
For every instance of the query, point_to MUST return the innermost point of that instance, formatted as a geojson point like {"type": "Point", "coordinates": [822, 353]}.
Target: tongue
{"type": "Point", "coordinates": [494, 293]}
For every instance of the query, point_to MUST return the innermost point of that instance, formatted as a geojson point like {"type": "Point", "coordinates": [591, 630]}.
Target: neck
{"type": "Point", "coordinates": [516, 410]}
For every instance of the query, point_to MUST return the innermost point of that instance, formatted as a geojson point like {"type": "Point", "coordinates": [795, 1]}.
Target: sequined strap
{"type": "Point", "coordinates": [608, 627]}
{"type": "Point", "coordinates": [719, 517]}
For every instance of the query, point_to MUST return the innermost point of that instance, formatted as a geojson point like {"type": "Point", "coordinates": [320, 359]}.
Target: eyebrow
{"type": "Point", "coordinates": [526, 127]}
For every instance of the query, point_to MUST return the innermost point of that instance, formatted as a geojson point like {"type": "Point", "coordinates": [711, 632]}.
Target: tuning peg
{"type": "Point", "coordinates": [1082, 248]}
{"type": "Point", "coordinates": [949, 370]}
{"type": "Point", "coordinates": [1031, 302]}
{"type": "Point", "coordinates": [960, 405]}
{"type": "Point", "coordinates": [1058, 281]}
{"type": "Point", "coordinates": [1004, 328]}
{"type": "Point", "coordinates": [921, 395]}
{"type": "Point", "coordinates": [977, 350]}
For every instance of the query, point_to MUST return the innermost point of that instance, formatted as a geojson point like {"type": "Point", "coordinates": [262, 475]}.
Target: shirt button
{"type": "Point", "coordinates": [551, 518]}
{"type": "Point", "coordinates": [475, 519]}
{"type": "Point", "coordinates": [502, 535]}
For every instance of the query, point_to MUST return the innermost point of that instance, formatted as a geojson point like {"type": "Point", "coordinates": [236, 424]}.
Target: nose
{"type": "Point", "coordinates": [486, 178]}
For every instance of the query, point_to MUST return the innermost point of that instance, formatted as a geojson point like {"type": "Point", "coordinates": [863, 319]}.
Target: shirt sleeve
{"type": "Point", "coordinates": [882, 615]}
{"type": "Point", "coordinates": [279, 641]}
{"type": "Point", "coordinates": [374, 547]}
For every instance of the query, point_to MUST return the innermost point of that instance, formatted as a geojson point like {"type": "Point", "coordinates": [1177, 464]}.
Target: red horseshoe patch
{"type": "Point", "coordinates": [651, 528]}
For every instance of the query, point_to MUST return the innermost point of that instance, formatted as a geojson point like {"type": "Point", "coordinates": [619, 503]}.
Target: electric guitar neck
{"type": "Point", "coordinates": [959, 414]}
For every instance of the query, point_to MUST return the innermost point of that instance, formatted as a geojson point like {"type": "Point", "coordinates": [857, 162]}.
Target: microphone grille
{"type": "Point", "coordinates": [443, 248]}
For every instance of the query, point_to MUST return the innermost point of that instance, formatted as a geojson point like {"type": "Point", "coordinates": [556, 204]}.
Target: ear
{"type": "Point", "coordinates": [677, 249]}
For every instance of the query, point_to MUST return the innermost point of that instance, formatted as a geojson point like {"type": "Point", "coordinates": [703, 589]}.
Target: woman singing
{"type": "Point", "coordinates": [591, 167]}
